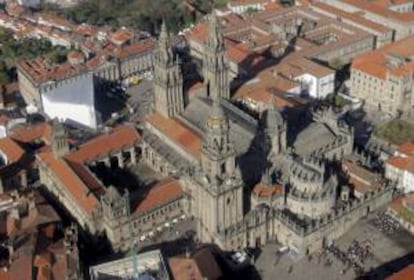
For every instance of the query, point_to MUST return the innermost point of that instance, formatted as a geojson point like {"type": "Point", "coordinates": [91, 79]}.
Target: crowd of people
{"type": "Point", "coordinates": [354, 257]}
{"type": "Point", "coordinates": [384, 223]}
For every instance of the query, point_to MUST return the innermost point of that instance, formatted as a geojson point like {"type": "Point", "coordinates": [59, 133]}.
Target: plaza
{"type": "Point", "coordinates": [389, 254]}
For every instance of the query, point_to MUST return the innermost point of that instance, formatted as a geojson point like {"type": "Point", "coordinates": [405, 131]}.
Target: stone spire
{"type": "Point", "coordinates": [215, 62]}
{"type": "Point", "coordinates": [168, 79]}
{"type": "Point", "coordinates": [165, 52]}
{"type": "Point", "coordinates": [215, 39]}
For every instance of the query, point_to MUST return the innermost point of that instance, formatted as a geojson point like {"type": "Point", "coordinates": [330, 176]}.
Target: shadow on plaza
{"type": "Point", "coordinates": [171, 248]}
{"type": "Point", "coordinates": [389, 268]}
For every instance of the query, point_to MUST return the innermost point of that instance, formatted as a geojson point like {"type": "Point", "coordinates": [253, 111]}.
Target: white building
{"type": "Point", "coordinates": [400, 167]}
{"type": "Point", "coordinates": [242, 6]}
{"type": "Point", "coordinates": [29, 3]}
{"type": "Point", "coordinates": [72, 101]}
{"type": "Point", "coordinates": [317, 86]}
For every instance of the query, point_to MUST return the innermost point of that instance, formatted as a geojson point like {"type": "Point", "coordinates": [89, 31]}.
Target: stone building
{"type": "Point", "coordinates": [383, 78]}
{"type": "Point", "coordinates": [213, 156]}
{"type": "Point", "coordinates": [219, 152]}
{"type": "Point", "coordinates": [398, 15]}
{"type": "Point", "coordinates": [326, 136]}
{"type": "Point", "coordinates": [70, 175]}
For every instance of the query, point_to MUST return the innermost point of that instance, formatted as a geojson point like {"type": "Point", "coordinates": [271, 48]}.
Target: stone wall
{"type": "Point", "coordinates": [306, 238]}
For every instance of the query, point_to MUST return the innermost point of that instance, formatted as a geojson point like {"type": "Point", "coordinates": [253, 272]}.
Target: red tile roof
{"type": "Point", "coordinates": [141, 46]}
{"type": "Point", "coordinates": [114, 141]}
{"type": "Point", "coordinates": [11, 149]}
{"type": "Point", "coordinates": [161, 193]}
{"type": "Point", "coordinates": [375, 63]}
{"type": "Point", "coordinates": [177, 132]}
{"type": "Point", "coordinates": [39, 71]}
{"type": "Point", "coordinates": [378, 7]}
{"type": "Point", "coordinates": [263, 190]}
{"type": "Point", "coordinates": [201, 265]}
{"type": "Point", "coordinates": [404, 163]}
{"type": "Point", "coordinates": [407, 148]}
{"type": "Point", "coordinates": [404, 274]}
{"type": "Point", "coordinates": [352, 17]}
{"type": "Point", "coordinates": [76, 187]}
{"type": "Point", "coordinates": [360, 178]}
{"type": "Point", "coordinates": [30, 133]}
{"type": "Point", "coordinates": [121, 36]}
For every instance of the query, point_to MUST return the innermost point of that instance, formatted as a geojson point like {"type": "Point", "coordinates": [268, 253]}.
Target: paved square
{"type": "Point", "coordinates": [384, 248]}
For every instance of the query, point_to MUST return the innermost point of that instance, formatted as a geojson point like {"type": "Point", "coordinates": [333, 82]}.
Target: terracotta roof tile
{"type": "Point", "coordinates": [77, 188]}
{"type": "Point", "coordinates": [404, 163]}
{"type": "Point", "coordinates": [375, 62]}
{"type": "Point", "coordinates": [201, 265]}
{"type": "Point", "coordinates": [352, 17]}
{"type": "Point", "coordinates": [404, 274]}
{"type": "Point", "coordinates": [263, 190]}
{"type": "Point", "coordinates": [362, 179]}
{"type": "Point", "coordinates": [378, 7]}
{"type": "Point", "coordinates": [39, 71]}
{"type": "Point", "coordinates": [121, 36]}
{"type": "Point", "coordinates": [112, 142]}
{"type": "Point", "coordinates": [141, 46]}
{"type": "Point", "coordinates": [178, 133]}
{"type": "Point", "coordinates": [160, 194]}
{"type": "Point", "coordinates": [30, 133]}
{"type": "Point", "coordinates": [11, 149]}
{"type": "Point", "coordinates": [407, 148]}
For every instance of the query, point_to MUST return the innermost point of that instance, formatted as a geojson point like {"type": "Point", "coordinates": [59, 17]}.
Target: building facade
{"type": "Point", "coordinates": [211, 146]}
{"type": "Point", "coordinates": [383, 78]}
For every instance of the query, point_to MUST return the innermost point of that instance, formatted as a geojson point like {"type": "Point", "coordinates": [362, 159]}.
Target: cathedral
{"type": "Point", "coordinates": [244, 184]}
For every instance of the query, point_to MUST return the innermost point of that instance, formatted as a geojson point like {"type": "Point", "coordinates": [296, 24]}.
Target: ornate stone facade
{"type": "Point", "coordinates": [168, 80]}
{"type": "Point", "coordinates": [215, 62]}
{"type": "Point", "coordinates": [218, 150]}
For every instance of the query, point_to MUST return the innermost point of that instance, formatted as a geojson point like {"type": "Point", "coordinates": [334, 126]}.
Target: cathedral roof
{"type": "Point", "coordinates": [161, 193]}
{"type": "Point", "coordinates": [68, 177]}
{"type": "Point", "coordinates": [107, 143]}
{"type": "Point", "coordinates": [180, 134]}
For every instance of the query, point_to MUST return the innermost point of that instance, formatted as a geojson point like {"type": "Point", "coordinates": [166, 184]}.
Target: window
{"type": "Point", "coordinates": [223, 167]}
{"type": "Point", "coordinates": [228, 201]}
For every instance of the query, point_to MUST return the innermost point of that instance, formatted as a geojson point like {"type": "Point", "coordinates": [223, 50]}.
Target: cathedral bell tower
{"type": "Point", "coordinates": [220, 193]}
{"type": "Point", "coordinates": [168, 79]}
{"type": "Point", "coordinates": [215, 63]}
{"type": "Point", "coordinates": [218, 155]}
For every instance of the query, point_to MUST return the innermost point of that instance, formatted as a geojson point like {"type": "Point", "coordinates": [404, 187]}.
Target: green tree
{"type": "Point", "coordinates": [4, 77]}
